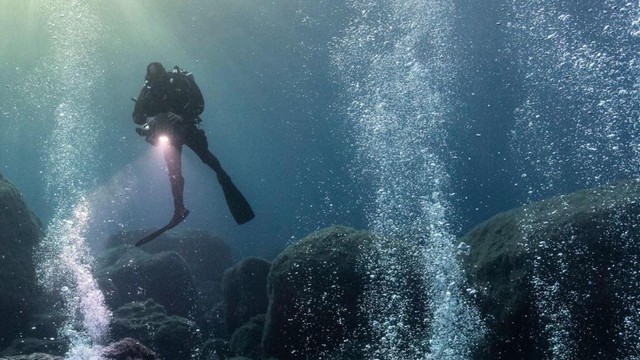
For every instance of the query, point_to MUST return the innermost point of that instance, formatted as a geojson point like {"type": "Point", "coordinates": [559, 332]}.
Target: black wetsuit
{"type": "Point", "coordinates": [180, 95]}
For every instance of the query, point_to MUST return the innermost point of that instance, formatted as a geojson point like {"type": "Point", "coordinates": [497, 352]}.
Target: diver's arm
{"type": "Point", "coordinates": [140, 110]}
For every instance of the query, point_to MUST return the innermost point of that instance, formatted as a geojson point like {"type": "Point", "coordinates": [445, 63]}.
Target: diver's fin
{"type": "Point", "coordinates": [153, 235]}
{"type": "Point", "coordinates": [238, 205]}
{"type": "Point", "coordinates": [173, 223]}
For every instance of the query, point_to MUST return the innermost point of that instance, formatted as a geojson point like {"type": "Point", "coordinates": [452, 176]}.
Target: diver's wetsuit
{"type": "Point", "coordinates": [178, 93]}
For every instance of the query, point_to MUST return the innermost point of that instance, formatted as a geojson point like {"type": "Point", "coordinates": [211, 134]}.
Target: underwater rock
{"type": "Point", "coordinates": [128, 274]}
{"type": "Point", "coordinates": [211, 322]}
{"type": "Point", "coordinates": [314, 289]}
{"type": "Point", "coordinates": [20, 232]}
{"type": "Point", "coordinates": [172, 337]}
{"type": "Point", "coordinates": [560, 273]}
{"type": "Point", "coordinates": [45, 324]}
{"type": "Point", "coordinates": [247, 339]}
{"type": "Point", "coordinates": [33, 357]}
{"type": "Point", "coordinates": [215, 349]}
{"type": "Point", "coordinates": [207, 256]}
{"type": "Point", "coordinates": [244, 291]}
{"type": "Point", "coordinates": [128, 349]}
{"type": "Point", "coordinates": [29, 345]}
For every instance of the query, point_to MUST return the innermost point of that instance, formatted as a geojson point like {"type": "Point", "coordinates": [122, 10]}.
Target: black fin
{"type": "Point", "coordinates": [153, 235]}
{"type": "Point", "coordinates": [238, 205]}
{"type": "Point", "coordinates": [173, 223]}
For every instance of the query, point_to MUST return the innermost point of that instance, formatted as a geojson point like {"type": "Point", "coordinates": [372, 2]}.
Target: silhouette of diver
{"type": "Point", "coordinates": [169, 108]}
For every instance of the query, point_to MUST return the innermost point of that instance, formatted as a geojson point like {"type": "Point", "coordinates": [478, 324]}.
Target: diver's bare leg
{"type": "Point", "coordinates": [173, 158]}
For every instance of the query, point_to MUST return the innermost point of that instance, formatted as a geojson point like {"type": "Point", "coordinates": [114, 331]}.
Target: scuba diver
{"type": "Point", "coordinates": [169, 108]}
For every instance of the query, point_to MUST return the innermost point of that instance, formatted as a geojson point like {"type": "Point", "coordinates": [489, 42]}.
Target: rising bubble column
{"type": "Point", "coordinates": [395, 63]}
{"type": "Point", "coordinates": [67, 77]}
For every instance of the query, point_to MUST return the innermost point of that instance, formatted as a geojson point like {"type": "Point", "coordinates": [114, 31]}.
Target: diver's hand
{"type": "Point", "coordinates": [151, 121]}
{"type": "Point", "coordinates": [175, 118]}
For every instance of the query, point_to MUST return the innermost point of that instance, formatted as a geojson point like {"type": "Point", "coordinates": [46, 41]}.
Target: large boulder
{"type": "Point", "coordinates": [559, 277]}
{"type": "Point", "coordinates": [207, 256]}
{"type": "Point", "coordinates": [316, 291]}
{"type": "Point", "coordinates": [244, 292]}
{"type": "Point", "coordinates": [172, 337]}
{"type": "Point", "coordinates": [20, 232]}
{"type": "Point", "coordinates": [128, 274]}
{"type": "Point", "coordinates": [314, 288]}
{"type": "Point", "coordinates": [247, 339]}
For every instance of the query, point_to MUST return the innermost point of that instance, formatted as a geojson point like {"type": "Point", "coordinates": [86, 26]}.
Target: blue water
{"type": "Point", "coordinates": [409, 118]}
